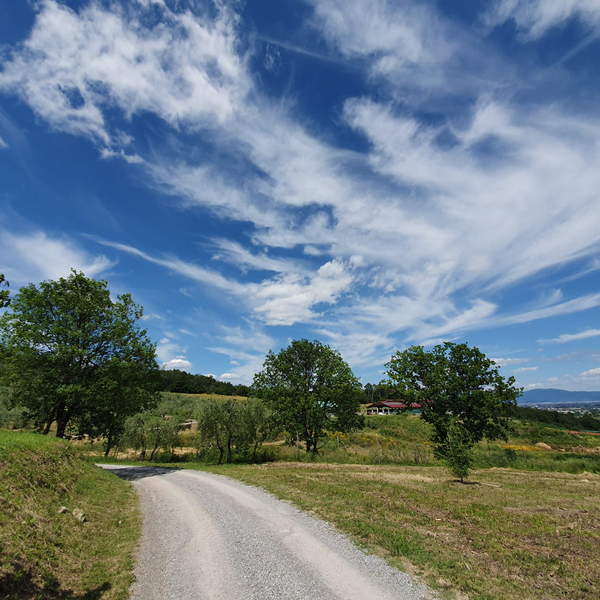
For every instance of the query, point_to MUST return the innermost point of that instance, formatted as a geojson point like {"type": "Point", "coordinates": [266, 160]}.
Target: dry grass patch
{"type": "Point", "coordinates": [508, 535]}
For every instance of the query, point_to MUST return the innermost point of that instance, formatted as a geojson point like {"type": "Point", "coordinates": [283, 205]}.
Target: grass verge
{"type": "Point", "coordinates": [51, 555]}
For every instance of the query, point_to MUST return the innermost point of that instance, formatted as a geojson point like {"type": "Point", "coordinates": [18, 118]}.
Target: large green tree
{"type": "Point", "coordinates": [310, 388]}
{"type": "Point", "coordinates": [462, 394]}
{"type": "Point", "coordinates": [75, 356]}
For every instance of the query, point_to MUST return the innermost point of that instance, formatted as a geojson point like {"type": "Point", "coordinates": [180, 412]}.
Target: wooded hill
{"type": "Point", "coordinates": [181, 382]}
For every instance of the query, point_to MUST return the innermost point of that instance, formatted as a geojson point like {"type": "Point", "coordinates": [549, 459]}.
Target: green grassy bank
{"type": "Point", "coordinates": [49, 554]}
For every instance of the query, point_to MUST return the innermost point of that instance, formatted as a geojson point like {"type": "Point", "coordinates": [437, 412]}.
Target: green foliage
{"type": "Point", "coordinates": [229, 428]}
{"type": "Point", "coordinates": [457, 451]}
{"type": "Point", "coordinates": [73, 355]}
{"type": "Point", "coordinates": [151, 431]}
{"type": "Point", "coordinates": [4, 294]}
{"type": "Point", "coordinates": [460, 390]}
{"type": "Point", "coordinates": [310, 387]}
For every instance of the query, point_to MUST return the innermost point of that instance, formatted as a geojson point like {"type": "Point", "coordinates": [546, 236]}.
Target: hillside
{"type": "Point", "coordinates": [45, 550]}
{"type": "Point", "coordinates": [554, 396]}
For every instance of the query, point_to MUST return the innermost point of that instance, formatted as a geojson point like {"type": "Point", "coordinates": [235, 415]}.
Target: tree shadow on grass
{"type": "Point", "coordinates": [136, 473]}
{"type": "Point", "coordinates": [23, 583]}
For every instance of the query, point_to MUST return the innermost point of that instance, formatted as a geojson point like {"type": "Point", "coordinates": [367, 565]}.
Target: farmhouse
{"type": "Point", "coordinates": [391, 407]}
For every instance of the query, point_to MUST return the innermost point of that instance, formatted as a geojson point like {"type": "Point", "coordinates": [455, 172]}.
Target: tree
{"type": "Point", "coordinates": [220, 427]}
{"type": "Point", "coordinates": [462, 395]}
{"type": "Point", "coordinates": [75, 356]}
{"type": "Point", "coordinates": [310, 387]}
{"type": "Point", "coordinates": [152, 431]}
{"type": "Point", "coordinates": [4, 294]}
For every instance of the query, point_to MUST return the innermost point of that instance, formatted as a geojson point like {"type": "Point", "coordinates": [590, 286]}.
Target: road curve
{"type": "Point", "coordinates": [209, 537]}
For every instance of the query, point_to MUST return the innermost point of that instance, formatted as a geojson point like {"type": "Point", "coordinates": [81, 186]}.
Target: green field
{"type": "Point", "coordinates": [510, 534]}
{"type": "Point", "coordinates": [45, 554]}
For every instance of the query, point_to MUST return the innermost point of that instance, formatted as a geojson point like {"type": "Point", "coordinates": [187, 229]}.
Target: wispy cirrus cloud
{"type": "Point", "coordinates": [571, 337]}
{"type": "Point", "coordinates": [76, 65]}
{"type": "Point", "coordinates": [509, 362]}
{"type": "Point", "coordinates": [36, 255]}
{"type": "Point", "coordinates": [526, 369]}
{"type": "Point", "coordinates": [536, 17]}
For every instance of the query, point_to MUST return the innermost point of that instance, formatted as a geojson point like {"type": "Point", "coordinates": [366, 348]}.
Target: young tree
{"type": "Point", "coordinates": [309, 386]}
{"type": "Point", "coordinates": [73, 355]}
{"type": "Point", "coordinates": [462, 395]}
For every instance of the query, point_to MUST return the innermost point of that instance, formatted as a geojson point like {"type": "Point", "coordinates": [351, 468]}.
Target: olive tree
{"type": "Point", "coordinates": [310, 387]}
{"type": "Point", "coordinates": [461, 393]}
{"type": "Point", "coordinates": [73, 355]}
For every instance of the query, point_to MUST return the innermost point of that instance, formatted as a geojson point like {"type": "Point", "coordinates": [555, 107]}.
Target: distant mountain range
{"type": "Point", "coordinates": [554, 396]}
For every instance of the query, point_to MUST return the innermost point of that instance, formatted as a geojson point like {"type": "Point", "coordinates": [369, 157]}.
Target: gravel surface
{"type": "Point", "coordinates": [207, 536]}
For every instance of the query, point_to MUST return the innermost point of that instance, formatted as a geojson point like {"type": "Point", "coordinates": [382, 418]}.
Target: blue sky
{"type": "Point", "coordinates": [370, 174]}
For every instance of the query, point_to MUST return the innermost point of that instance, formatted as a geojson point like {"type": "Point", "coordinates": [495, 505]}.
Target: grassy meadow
{"type": "Point", "coordinates": [46, 554]}
{"type": "Point", "coordinates": [508, 534]}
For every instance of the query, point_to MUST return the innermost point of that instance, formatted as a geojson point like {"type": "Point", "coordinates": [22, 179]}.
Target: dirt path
{"type": "Point", "coordinates": [208, 537]}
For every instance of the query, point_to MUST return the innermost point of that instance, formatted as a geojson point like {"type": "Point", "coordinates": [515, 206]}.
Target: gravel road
{"type": "Point", "coordinates": [208, 537]}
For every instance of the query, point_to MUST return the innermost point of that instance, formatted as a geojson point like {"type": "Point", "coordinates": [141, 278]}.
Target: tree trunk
{"type": "Point", "coordinates": [109, 441]}
{"type": "Point", "coordinates": [229, 445]}
{"type": "Point", "coordinates": [153, 452]}
{"type": "Point", "coordinates": [61, 426]}
{"type": "Point", "coordinates": [61, 421]}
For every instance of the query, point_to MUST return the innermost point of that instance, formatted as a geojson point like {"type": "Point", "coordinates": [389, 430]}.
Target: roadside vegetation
{"type": "Point", "coordinates": [82, 551]}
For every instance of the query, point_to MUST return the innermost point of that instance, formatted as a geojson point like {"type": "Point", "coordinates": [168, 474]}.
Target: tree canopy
{"type": "Point", "coordinates": [462, 395]}
{"type": "Point", "coordinates": [75, 356]}
{"type": "Point", "coordinates": [310, 388]}
{"type": "Point", "coordinates": [4, 294]}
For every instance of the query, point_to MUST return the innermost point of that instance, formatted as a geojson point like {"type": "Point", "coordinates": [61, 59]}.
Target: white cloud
{"type": "Point", "coordinates": [246, 349]}
{"type": "Point", "coordinates": [31, 257]}
{"type": "Point", "coordinates": [564, 308]}
{"type": "Point", "coordinates": [571, 337]}
{"type": "Point", "coordinates": [526, 369]}
{"type": "Point", "coordinates": [289, 299]}
{"type": "Point", "coordinates": [151, 316]}
{"type": "Point", "coordinates": [189, 270]}
{"type": "Point", "coordinates": [508, 362]}
{"type": "Point", "coordinates": [592, 373]}
{"type": "Point", "coordinates": [536, 17]}
{"type": "Point", "coordinates": [229, 376]}
{"type": "Point", "coordinates": [391, 33]}
{"type": "Point", "coordinates": [76, 64]}
{"type": "Point", "coordinates": [360, 348]}
{"type": "Point", "coordinates": [172, 355]}
{"type": "Point", "coordinates": [179, 362]}
{"type": "Point", "coordinates": [3, 144]}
